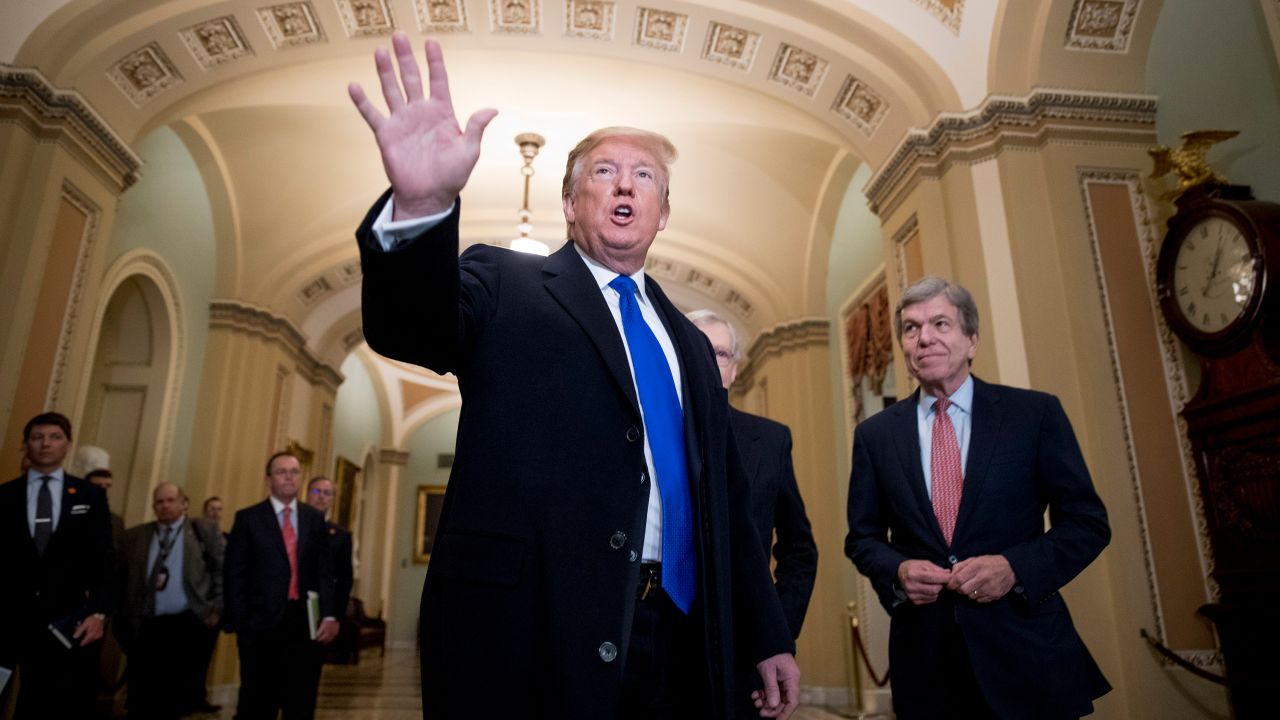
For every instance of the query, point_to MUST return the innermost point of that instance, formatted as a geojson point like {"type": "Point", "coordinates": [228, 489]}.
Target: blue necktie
{"type": "Point", "coordinates": [664, 422]}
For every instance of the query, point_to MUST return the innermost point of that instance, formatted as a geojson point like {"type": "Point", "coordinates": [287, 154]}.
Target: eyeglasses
{"type": "Point", "coordinates": [321, 491]}
{"type": "Point", "coordinates": [724, 358]}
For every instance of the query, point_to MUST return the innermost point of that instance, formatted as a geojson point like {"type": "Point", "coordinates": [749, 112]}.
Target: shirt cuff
{"type": "Point", "coordinates": [392, 233]}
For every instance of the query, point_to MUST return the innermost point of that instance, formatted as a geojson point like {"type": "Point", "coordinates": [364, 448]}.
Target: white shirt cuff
{"type": "Point", "coordinates": [391, 233]}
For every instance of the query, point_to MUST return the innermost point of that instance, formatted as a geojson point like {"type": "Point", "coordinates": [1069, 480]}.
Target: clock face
{"type": "Point", "coordinates": [1213, 274]}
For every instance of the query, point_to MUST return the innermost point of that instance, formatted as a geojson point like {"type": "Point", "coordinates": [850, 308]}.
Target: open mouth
{"type": "Point", "coordinates": [622, 214]}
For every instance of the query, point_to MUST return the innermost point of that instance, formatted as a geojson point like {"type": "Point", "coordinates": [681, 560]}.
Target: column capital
{"type": "Point", "coordinates": [30, 101]}
{"type": "Point", "coordinates": [1002, 122]}
{"type": "Point", "coordinates": [393, 456]}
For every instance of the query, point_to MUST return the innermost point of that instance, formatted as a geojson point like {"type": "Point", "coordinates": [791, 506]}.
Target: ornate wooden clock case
{"type": "Point", "coordinates": [1218, 280]}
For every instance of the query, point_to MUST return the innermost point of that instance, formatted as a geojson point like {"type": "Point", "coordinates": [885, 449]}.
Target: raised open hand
{"type": "Point", "coordinates": [427, 156]}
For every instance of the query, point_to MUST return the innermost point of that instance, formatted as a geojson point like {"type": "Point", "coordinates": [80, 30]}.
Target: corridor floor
{"type": "Point", "coordinates": [388, 689]}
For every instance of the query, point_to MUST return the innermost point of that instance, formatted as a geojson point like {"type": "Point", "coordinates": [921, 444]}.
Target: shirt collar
{"type": "Point", "coordinates": [175, 524]}
{"type": "Point", "coordinates": [962, 398]}
{"type": "Point", "coordinates": [33, 475]}
{"type": "Point", "coordinates": [277, 506]}
{"type": "Point", "coordinates": [604, 275]}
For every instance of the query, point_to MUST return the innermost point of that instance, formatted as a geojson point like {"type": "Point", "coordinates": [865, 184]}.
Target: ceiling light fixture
{"type": "Point", "coordinates": [530, 144]}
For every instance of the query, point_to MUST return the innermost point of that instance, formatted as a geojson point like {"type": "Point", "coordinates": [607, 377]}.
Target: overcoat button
{"type": "Point", "coordinates": [952, 560]}
{"type": "Point", "coordinates": [617, 540]}
{"type": "Point", "coordinates": [644, 478]}
{"type": "Point", "coordinates": [633, 433]}
{"type": "Point", "coordinates": [608, 651]}
{"type": "Point", "coordinates": [633, 556]}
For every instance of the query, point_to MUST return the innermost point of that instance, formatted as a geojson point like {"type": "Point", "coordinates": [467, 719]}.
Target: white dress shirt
{"type": "Point", "coordinates": [33, 491]}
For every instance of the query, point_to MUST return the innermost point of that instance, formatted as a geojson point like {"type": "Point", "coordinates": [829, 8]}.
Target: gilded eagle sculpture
{"type": "Point", "coordinates": [1188, 161]}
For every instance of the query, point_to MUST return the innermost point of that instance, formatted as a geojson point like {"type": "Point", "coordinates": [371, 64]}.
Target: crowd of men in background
{"type": "Point", "coordinates": [85, 592]}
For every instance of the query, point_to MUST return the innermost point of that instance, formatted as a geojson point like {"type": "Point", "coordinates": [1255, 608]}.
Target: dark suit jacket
{"type": "Point", "coordinates": [203, 552]}
{"type": "Point", "coordinates": [73, 575]}
{"type": "Point", "coordinates": [533, 575]}
{"type": "Point", "coordinates": [776, 505]}
{"type": "Point", "coordinates": [256, 571]}
{"type": "Point", "coordinates": [1023, 457]}
{"type": "Point", "coordinates": [340, 547]}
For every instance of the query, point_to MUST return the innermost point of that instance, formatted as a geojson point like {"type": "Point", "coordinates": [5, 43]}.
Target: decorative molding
{"type": "Point", "coordinates": [661, 29]}
{"type": "Point", "coordinates": [908, 230]}
{"type": "Point", "coordinates": [143, 263]}
{"type": "Point", "coordinates": [329, 281]}
{"type": "Point", "coordinates": [27, 99]}
{"type": "Point", "coordinates": [291, 25]}
{"type": "Point", "coordinates": [259, 322]}
{"type": "Point", "coordinates": [948, 12]}
{"type": "Point", "coordinates": [787, 337]}
{"type": "Point", "coordinates": [731, 46]}
{"type": "Point", "coordinates": [441, 16]}
{"type": "Point", "coordinates": [781, 339]}
{"type": "Point", "coordinates": [1175, 380]}
{"type": "Point", "coordinates": [664, 268]}
{"type": "Point", "coordinates": [1102, 25]}
{"type": "Point", "coordinates": [798, 69]}
{"type": "Point", "coordinates": [1005, 122]}
{"type": "Point", "coordinates": [366, 18]}
{"type": "Point", "coordinates": [352, 339]}
{"type": "Point", "coordinates": [860, 105]}
{"type": "Point", "coordinates": [215, 41]}
{"type": "Point", "coordinates": [392, 456]}
{"type": "Point", "coordinates": [144, 73]}
{"type": "Point", "coordinates": [516, 17]}
{"type": "Point", "coordinates": [92, 214]}
{"type": "Point", "coordinates": [591, 19]}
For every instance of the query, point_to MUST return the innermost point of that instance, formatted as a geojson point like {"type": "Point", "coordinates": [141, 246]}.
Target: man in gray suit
{"type": "Point", "coordinates": [173, 594]}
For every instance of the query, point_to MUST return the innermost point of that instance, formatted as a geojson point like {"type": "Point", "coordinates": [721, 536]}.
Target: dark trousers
{"type": "Point", "coordinates": [959, 696]}
{"type": "Point", "coordinates": [279, 669]}
{"type": "Point", "coordinates": [665, 676]}
{"type": "Point", "coordinates": [164, 667]}
{"type": "Point", "coordinates": [55, 682]}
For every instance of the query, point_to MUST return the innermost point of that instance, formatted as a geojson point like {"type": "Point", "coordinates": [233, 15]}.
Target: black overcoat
{"type": "Point", "coordinates": [529, 597]}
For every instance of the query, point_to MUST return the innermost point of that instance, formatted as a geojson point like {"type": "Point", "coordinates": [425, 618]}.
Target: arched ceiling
{"type": "Point", "coordinates": [768, 101]}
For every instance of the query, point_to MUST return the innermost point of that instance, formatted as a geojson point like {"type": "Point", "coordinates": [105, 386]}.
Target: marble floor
{"type": "Point", "coordinates": [387, 689]}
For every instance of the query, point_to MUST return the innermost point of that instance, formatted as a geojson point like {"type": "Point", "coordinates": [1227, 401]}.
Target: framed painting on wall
{"type": "Point", "coordinates": [346, 481]}
{"type": "Point", "coordinates": [305, 457]}
{"type": "Point", "coordinates": [430, 501]}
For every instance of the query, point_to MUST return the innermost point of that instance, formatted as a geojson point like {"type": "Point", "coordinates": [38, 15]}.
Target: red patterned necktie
{"type": "Point", "coordinates": [948, 478]}
{"type": "Point", "coordinates": [290, 549]}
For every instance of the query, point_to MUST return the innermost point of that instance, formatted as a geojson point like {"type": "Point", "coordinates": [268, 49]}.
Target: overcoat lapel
{"type": "Point", "coordinates": [574, 288]}
{"type": "Point", "coordinates": [17, 520]}
{"type": "Point", "coordinates": [694, 410]}
{"type": "Point", "coordinates": [987, 415]}
{"type": "Point", "coordinates": [272, 526]}
{"type": "Point", "coordinates": [906, 435]}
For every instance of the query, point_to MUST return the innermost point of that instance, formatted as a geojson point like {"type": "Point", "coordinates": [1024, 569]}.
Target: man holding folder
{"type": "Point", "coordinates": [277, 556]}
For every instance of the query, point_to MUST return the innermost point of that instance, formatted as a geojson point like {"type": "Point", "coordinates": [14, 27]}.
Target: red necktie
{"type": "Point", "coordinates": [290, 549]}
{"type": "Point", "coordinates": [948, 478]}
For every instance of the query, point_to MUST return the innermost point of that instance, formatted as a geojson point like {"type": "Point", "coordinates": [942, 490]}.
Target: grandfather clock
{"type": "Point", "coordinates": [1218, 280]}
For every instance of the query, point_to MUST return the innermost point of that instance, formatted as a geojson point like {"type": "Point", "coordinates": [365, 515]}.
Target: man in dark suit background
{"type": "Point", "coordinates": [776, 505]}
{"type": "Point", "coordinates": [321, 494]}
{"type": "Point", "coordinates": [55, 538]}
{"type": "Point", "coordinates": [173, 595]}
{"type": "Point", "coordinates": [594, 553]}
{"type": "Point", "coordinates": [947, 497]}
{"type": "Point", "coordinates": [277, 554]}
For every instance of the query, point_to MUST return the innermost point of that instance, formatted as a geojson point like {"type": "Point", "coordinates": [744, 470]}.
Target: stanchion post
{"type": "Point", "coordinates": [853, 708]}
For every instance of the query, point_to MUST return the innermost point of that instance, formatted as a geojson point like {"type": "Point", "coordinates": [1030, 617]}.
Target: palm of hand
{"type": "Point", "coordinates": [425, 155]}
